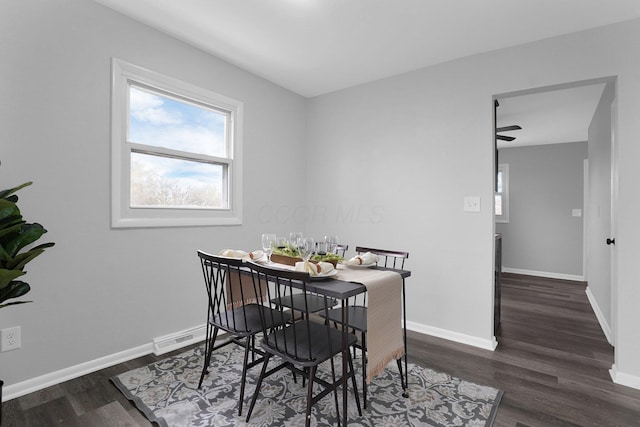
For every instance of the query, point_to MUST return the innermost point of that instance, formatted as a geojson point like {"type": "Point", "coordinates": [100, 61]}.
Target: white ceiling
{"type": "Point", "coordinates": [313, 47]}
{"type": "Point", "coordinates": [549, 117]}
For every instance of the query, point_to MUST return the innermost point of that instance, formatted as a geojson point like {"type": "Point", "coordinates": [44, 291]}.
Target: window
{"type": "Point", "coordinates": [502, 194]}
{"type": "Point", "coordinates": [176, 152]}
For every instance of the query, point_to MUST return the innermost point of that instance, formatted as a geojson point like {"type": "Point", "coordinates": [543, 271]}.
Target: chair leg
{"type": "Point", "coordinates": [404, 386]}
{"type": "Point", "coordinates": [364, 369]}
{"type": "Point", "coordinates": [248, 346]}
{"type": "Point", "coordinates": [354, 383]}
{"type": "Point", "coordinates": [335, 388]}
{"type": "Point", "coordinates": [312, 375]}
{"type": "Point", "coordinates": [353, 331]}
{"type": "Point", "coordinates": [267, 356]}
{"type": "Point", "coordinates": [212, 333]}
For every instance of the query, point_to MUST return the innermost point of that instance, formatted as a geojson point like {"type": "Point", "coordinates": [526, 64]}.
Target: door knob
{"type": "Point", "coordinates": [611, 241]}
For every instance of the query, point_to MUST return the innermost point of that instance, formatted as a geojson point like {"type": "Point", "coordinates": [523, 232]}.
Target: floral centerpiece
{"type": "Point", "coordinates": [289, 255]}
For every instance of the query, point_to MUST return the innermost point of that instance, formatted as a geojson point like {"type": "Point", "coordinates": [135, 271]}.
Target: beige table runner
{"type": "Point", "coordinates": [238, 287]}
{"type": "Point", "coordinates": [384, 315]}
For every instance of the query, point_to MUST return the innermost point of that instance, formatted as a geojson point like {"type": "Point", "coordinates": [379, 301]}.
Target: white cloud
{"type": "Point", "coordinates": [147, 107]}
{"type": "Point", "coordinates": [140, 100]}
{"type": "Point", "coordinates": [156, 116]}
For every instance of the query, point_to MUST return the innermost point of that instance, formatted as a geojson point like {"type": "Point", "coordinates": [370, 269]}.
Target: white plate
{"type": "Point", "coordinates": [325, 276]}
{"type": "Point", "coordinates": [360, 265]}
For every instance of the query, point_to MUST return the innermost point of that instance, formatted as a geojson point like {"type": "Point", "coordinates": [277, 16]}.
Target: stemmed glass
{"type": "Point", "coordinates": [306, 247]}
{"type": "Point", "coordinates": [268, 242]}
{"type": "Point", "coordinates": [332, 243]}
{"type": "Point", "coordinates": [281, 243]}
{"type": "Point", "coordinates": [293, 239]}
{"type": "Point", "coordinates": [321, 248]}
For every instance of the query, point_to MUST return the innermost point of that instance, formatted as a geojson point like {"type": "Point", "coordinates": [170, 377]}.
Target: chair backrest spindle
{"type": "Point", "coordinates": [392, 259]}
{"type": "Point", "coordinates": [341, 250]}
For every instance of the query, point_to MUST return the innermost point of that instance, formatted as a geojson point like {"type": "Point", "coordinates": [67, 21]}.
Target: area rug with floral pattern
{"type": "Point", "coordinates": [167, 393]}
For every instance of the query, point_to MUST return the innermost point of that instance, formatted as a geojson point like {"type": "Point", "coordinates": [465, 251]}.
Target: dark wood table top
{"type": "Point", "coordinates": [341, 289]}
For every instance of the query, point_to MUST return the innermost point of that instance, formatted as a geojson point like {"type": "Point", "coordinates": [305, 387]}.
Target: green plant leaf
{"type": "Point", "coordinates": [14, 290]}
{"type": "Point", "coordinates": [11, 219]}
{"type": "Point", "coordinates": [7, 276]}
{"type": "Point", "coordinates": [4, 257]}
{"type": "Point", "coordinates": [14, 227]}
{"type": "Point", "coordinates": [27, 235]}
{"type": "Point", "coordinates": [5, 193]}
{"type": "Point", "coordinates": [8, 208]}
{"type": "Point", "coordinates": [44, 246]}
{"type": "Point", "coordinates": [19, 261]}
{"type": "Point", "coordinates": [14, 303]}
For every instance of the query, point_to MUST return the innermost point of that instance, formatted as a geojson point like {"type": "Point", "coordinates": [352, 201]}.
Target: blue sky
{"type": "Point", "coordinates": [165, 122]}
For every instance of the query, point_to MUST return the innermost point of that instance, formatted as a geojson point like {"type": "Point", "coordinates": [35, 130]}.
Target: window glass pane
{"type": "Point", "coordinates": [498, 207]}
{"type": "Point", "coordinates": [162, 121]}
{"type": "Point", "coordinates": [162, 182]}
{"type": "Point", "coordinates": [499, 181]}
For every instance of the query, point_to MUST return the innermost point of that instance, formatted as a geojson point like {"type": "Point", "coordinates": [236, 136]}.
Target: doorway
{"type": "Point", "coordinates": [592, 259]}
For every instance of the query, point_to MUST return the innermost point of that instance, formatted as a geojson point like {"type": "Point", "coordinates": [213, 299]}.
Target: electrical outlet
{"type": "Point", "coordinates": [10, 338]}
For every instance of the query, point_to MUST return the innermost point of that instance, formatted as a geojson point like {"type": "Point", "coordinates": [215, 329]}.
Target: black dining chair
{"type": "Point", "coordinates": [304, 344]}
{"type": "Point", "coordinates": [234, 307]}
{"type": "Point", "coordinates": [358, 311]}
{"type": "Point", "coordinates": [341, 250]}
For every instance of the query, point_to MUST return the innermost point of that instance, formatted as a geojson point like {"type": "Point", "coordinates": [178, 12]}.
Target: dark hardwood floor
{"type": "Point", "coordinates": [552, 360]}
{"type": "Point", "coordinates": [552, 363]}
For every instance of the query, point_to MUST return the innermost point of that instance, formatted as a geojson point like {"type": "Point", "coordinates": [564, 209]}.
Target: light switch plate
{"type": "Point", "coordinates": [472, 204]}
{"type": "Point", "coordinates": [576, 212]}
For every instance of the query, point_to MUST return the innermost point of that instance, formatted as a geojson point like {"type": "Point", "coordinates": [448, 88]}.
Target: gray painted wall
{"type": "Point", "coordinates": [545, 185]}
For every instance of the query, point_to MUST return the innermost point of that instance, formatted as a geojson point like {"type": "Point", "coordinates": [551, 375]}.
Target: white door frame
{"type": "Point", "coordinates": [614, 218]}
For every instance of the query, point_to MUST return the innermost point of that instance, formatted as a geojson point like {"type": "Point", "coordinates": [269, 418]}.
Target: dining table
{"type": "Point", "coordinates": [386, 314]}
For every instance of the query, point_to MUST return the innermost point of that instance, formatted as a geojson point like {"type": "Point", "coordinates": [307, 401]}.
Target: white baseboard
{"type": "Point", "coordinates": [550, 275]}
{"type": "Point", "coordinates": [38, 383]}
{"type": "Point", "coordinates": [453, 336]}
{"type": "Point", "coordinates": [624, 379]}
{"type": "Point", "coordinates": [606, 329]}
{"type": "Point", "coordinates": [159, 346]}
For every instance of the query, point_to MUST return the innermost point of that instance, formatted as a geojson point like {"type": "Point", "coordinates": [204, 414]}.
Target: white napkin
{"type": "Point", "coordinates": [320, 269]}
{"type": "Point", "coordinates": [363, 259]}
{"type": "Point", "coordinates": [247, 256]}
{"type": "Point", "coordinates": [324, 268]}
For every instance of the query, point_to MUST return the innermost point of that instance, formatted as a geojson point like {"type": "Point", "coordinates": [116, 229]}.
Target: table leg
{"type": "Point", "coordinates": [405, 392]}
{"type": "Point", "coordinates": [345, 349]}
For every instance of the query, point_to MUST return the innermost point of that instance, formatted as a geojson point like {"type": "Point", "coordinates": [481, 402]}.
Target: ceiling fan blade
{"type": "Point", "coordinates": [508, 128]}
{"type": "Point", "coordinates": [505, 138]}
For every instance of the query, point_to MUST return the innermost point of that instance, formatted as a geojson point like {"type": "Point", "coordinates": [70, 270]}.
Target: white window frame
{"type": "Point", "coordinates": [122, 215]}
{"type": "Point", "coordinates": [504, 218]}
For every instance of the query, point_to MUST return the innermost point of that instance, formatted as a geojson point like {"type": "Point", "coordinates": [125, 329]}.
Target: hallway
{"type": "Point", "coordinates": [552, 360]}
